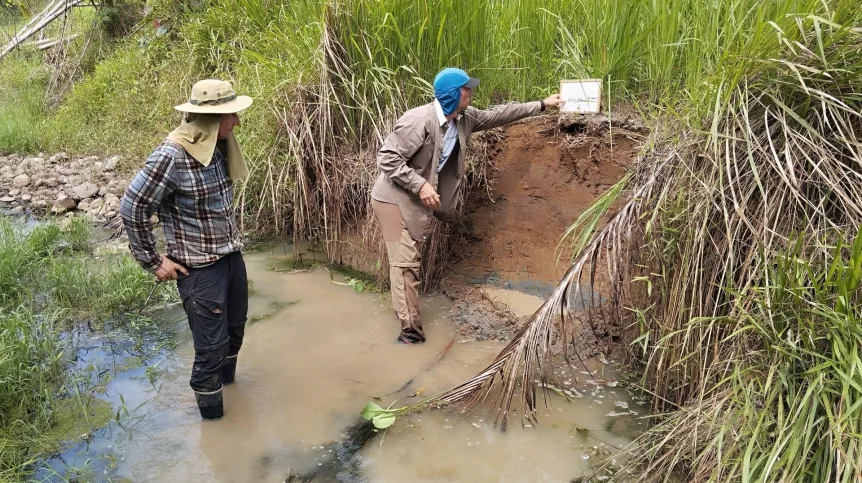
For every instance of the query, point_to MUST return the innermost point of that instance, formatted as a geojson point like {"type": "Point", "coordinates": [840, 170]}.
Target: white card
{"type": "Point", "coordinates": [582, 96]}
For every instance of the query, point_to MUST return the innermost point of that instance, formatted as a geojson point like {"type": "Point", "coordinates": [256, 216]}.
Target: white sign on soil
{"type": "Point", "coordinates": [581, 96]}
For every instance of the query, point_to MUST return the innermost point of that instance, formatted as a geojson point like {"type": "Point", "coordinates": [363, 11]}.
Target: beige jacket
{"type": "Point", "coordinates": [410, 154]}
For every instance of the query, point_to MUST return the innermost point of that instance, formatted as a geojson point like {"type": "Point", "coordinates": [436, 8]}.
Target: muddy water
{"type": "Point", "coordinates": [315, 353]}
{"type": "Point", "coordinates": [519, 303]}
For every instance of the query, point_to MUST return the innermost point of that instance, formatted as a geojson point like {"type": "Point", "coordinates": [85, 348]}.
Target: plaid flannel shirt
{"type": "Point", "coordinates": [194, 203]}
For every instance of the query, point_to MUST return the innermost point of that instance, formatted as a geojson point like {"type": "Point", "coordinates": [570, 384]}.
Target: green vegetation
{"type": "Point", "coordinates": [46, 267]}
{"type": "Point", "coordinates": [47, 278]}
{"type": "Point", "coordinates": [727, 256]}
{"type": "Point", "coordinates": [22, 91]}
{"type": "Point", "coordinates": [735, 261]}
{"type": "Point", "coordinates": [781, 400]}
{"type": "Point", "coordinates": [329, 77]}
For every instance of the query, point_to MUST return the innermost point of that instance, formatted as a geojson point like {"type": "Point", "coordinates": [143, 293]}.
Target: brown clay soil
{"type": "Point", "coordinates": [545, 173]}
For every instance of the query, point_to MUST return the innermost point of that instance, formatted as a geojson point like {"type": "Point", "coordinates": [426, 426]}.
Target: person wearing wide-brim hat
{"type": "Point", "coordinates": [189, 180]}
{"type": "Point", "coordinates": [421, 169]}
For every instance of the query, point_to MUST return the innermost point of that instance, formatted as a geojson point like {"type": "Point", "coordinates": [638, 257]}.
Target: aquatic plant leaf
{"type": "Point", "coordinates": [371, 410]}
{"type": "Point", "coordinates": [357, 284]}
{"type": "Point", "coordinates": [383, 421]}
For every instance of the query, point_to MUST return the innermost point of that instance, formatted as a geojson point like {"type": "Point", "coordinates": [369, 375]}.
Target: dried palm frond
{"type": "Point", "coordinates": [115, 225]}
{"type": "Point", "coordinates": [527, 357]}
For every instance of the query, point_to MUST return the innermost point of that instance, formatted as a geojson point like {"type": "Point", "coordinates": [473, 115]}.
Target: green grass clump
{"type": "Point", "coordinates": [46, 266]}
{"type": "Point", "coordinates": [48, 276]}
{"type": "Point", "coordinates": [22, 104]}
{"type": "Point", "coordinates": [32, 367]}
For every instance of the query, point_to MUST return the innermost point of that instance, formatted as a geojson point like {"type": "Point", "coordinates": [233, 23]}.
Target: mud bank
{"type": "Point", "coordinates": [544, 173]}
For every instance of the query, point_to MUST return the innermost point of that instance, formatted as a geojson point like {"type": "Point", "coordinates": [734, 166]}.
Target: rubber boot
{"type": "Point", "coordinates": [210, 404]}
{"type": "Point", "coordinates": [228, 370]}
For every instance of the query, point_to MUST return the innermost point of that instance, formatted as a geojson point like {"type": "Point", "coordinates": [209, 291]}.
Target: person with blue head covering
{"type": "Point", "coordinates": [447, 88]}
{"type": "Point", "coordinates": [421, 170]}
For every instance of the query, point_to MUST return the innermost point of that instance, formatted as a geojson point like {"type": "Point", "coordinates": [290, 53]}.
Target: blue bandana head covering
{"type": "Point", "coordinates": [447, 88]}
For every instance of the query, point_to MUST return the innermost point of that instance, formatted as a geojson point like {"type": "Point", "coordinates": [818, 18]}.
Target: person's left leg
{"type": "Point", "coordinates": [237, 314]}
{"type": "Point", "coordinates": [204, 293]}
{"type": "Point", "coordinates": [404, 263]}
{"type": "Point", "coordinates": [409, 262]}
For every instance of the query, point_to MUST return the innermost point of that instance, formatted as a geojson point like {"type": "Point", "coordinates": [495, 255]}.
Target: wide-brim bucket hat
{"type": "Point", "coordinates": [214, 96]}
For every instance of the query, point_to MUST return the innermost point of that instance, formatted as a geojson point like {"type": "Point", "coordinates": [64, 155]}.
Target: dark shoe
{"type": "Point", "coordinates": [228, 370]}
{"type": "Point", "coordinates": [408, 339]}
{"type": "Point", "coordinates": [210, 404]}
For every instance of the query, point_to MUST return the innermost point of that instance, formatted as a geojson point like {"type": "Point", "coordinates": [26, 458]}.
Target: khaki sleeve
{"type": "Point", "coordinates": [500, 115]}
{"type": "Point", "coordinates": [398, 148]}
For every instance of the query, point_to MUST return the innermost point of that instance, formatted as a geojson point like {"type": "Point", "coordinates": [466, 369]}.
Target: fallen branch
{"type": "Point", "coordinates": [50, 42]}
{"type": "Point", "coordinates": [52, 12]}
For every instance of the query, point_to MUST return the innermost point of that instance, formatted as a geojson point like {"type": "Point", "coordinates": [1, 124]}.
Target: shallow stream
{"type": "Point", "coordinates": [315, 353]}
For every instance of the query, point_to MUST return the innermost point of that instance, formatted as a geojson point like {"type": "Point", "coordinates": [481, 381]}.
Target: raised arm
{"type": "Point", "coordinates": [504, 114]}
{"type": "Point", "coordinates": [400, 145]}
{"type": "Point", "coordinates": [497, 116]}
{"type": "Point", "coordinates": [144, 194]}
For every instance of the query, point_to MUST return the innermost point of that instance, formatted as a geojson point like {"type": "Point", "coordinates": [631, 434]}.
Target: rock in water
{"type": "Point", "coordinates": [343, 463]}
{"type": "Point", "coordinates": [18, 210]}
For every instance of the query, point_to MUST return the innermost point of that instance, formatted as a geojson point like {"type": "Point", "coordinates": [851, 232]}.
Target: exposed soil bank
{"type": "Point", "coordinates": [545, 173]}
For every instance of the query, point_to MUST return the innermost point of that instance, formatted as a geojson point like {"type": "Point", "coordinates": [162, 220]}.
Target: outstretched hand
{"type": "Point", "coordinates": [554, 102]}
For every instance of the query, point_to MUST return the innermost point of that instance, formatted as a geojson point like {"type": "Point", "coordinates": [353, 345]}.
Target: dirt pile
{"type": "Point", "coordinates": [545, 172]}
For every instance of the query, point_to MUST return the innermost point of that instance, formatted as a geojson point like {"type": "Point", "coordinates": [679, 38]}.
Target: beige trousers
{"type": "Point", "coordinates": [404, 263]}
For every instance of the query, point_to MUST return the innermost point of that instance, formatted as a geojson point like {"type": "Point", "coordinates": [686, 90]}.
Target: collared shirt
{"type": "Point", "coordinates": [449, 139]}
{"type": "Point", "coordinates": [194, 203]}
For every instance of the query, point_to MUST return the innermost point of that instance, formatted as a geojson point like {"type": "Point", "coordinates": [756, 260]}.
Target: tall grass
{"type": "Point", "coordinates": [22, 104]}
{"type": "Point", "coordinates": [788, 403]}
{"type": "Point", "coordinates": [46, 266]}
{"type": "Point", "coordinates": [734, 260]}
{"type": "Point", "coordinates": [32, 367]}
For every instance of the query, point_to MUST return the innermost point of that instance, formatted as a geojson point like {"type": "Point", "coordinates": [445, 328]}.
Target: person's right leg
{"type": "Point", "coordinates": [204, 295]}
{"type": "Point", "coordinates": [404, 263]}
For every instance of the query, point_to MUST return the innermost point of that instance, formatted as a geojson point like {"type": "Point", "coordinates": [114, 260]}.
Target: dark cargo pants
{"type": "Point", "coordinates": [215, 299]}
